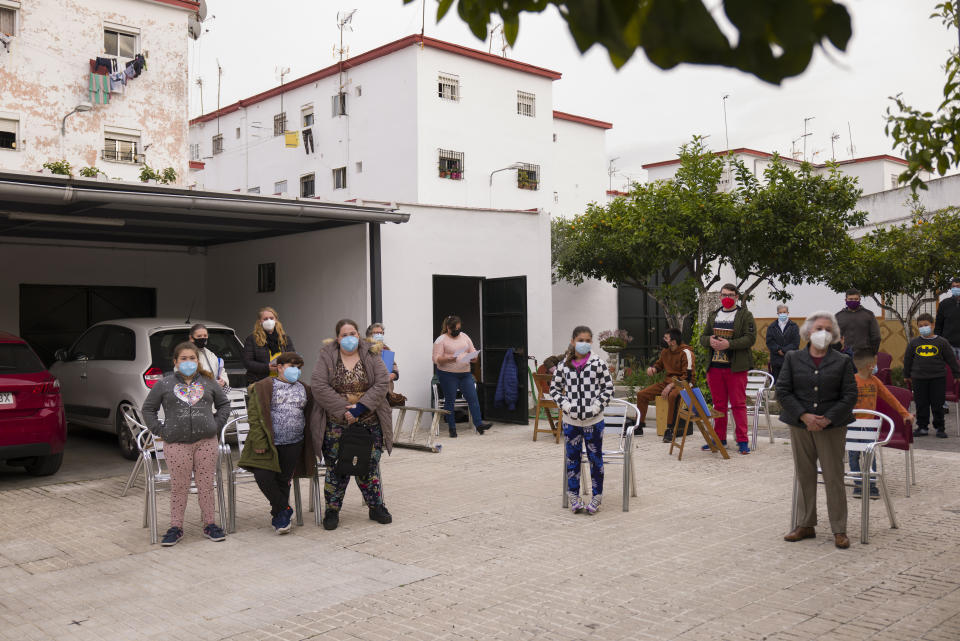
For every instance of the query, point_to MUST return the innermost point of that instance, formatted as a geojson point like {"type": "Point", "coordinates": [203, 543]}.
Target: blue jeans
{"type": "Point", "coordinates": [450, 382]}
{"type": "Point", "coordinates": [854, 460]}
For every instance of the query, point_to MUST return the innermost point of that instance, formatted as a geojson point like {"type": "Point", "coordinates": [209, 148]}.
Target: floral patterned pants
{"type": "Point", "coordinates": [576, 436]}
{"type": "Point", "coordinates": [335, 485]}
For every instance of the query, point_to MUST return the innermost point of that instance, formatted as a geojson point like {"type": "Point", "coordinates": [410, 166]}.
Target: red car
{"type": "Point", "coordinates": [33, 428]}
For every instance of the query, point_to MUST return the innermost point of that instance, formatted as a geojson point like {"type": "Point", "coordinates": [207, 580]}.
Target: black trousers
{"type": "Point", "coordinates": [929, 395]}
{"type": "Point", "coordinates": [775, 367]}
{"type": "Point", "coordinates": [276, 487]}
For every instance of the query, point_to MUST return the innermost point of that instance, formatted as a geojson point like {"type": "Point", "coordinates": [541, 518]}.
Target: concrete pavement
{"type": "Point", "coordinates": [480, 549]}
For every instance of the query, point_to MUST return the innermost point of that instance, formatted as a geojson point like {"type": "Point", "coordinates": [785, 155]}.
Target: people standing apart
{"type": "Point", "coordinates": [782, 336]}
{"type": "Point", "coordinates": [279, 445]}
{"type": "Point", "coordinates": [453, 351]}
{"type": "Point", "coordinates": [582, 387]}
{"type": "Point", "coordinates": [349, 386]}
{"type": "Point", "coordinates": [375, 335]}
{"type": "Point", "coordinates": [858, 325]}
{"type": "Point", "coordinates": [677, 361]}
{"type": "Point", "coordinates": [262, 347]}
{"type": "Point", "coordinates": [729, 335]}
{"type": "Point", "coordinates": [208, 360]}
{"type": "Point", "coordinates": [924, 366]}
{"type": "Point", "coordinates": [869, 388]}
{"type": "Point", "coordinates": [817, 393]}
{"type": "Point", "coordinates": [195, 409]}
{"type": "Point", "coordinates": [947, 324]}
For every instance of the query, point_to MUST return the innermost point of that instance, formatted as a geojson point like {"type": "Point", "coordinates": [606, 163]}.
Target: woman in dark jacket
{"type": "Point", "coordinates": [817, 393]}
{"type": "Point", "coordinates": [262, 347]}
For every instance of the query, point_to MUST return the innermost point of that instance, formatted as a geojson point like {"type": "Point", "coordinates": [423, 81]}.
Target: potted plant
{"type": "Point", "coordinates": [444, 173]}
{"type": "Point", "coordinates": [613, 341]}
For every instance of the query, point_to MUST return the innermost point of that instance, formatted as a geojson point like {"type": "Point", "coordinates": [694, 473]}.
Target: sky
{"type": "Point", "coordinates": [895, 48]}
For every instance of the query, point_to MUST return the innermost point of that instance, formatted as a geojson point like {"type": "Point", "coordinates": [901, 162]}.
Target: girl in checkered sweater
{"type": "Point", "coordinates": [582, 387]}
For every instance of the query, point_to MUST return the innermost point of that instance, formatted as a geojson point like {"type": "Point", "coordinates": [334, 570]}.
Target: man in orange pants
{"type": "Point", "coordinates": [677, 361]}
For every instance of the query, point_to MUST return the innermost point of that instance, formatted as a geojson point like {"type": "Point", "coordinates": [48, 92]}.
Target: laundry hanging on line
{"type": "Point", "coordinates": [99, 88]}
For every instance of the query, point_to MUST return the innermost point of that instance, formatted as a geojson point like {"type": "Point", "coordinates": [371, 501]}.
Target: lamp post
{"type": "Point", "coordinates": [83, 106]}
{"type": "Point", "coordinates": [516, 165]}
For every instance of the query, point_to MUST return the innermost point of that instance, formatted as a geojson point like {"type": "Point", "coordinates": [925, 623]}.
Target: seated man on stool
{"type": "Point", "coordinates": [677, 361]}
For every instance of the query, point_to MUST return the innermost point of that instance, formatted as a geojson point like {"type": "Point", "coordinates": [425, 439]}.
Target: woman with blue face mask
{"type": "Point", "coordinates": [582, 387]}
{"type": "Point", "coordinates": [349, 385]}
{"type": "Point", "coordinates": [375, 335]}
{"type": "Point", "coordinates": [195, 409]}
{"type": "Point", "coordinates": [279, 445]}
{"type": "Point", "coordinates": [453, 352]}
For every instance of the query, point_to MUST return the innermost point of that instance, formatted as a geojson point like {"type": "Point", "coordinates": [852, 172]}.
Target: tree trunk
{"type": "Point", "coordinates": [707, 303]}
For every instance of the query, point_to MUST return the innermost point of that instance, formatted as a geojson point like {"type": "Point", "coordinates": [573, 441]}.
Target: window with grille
{"type": "Point", "coordinates": [121, 147]}
{"type": "Point", "coordinates": [450, 164]}
{"type": "Point", "coordinates": [894, 181]}
{"type": "Point", "coordinates": [119, 44]}
{"type": "Point", "coordinates": [280, 187]}
{"type": "Point", "coordinates": [338, 105]}
{"type": "Point", "coordinates": [306, 116]}
{"type": "Point", "coordinates": [279, 124]}
{"type": "Point", "coordinates": [526, 104]}
{"type": "Point", "coordinates": [195, 151]}
{"type": "Point", "coordinates": [218, 144]}
{"type": "Point", "coordinates": [528, 177]}
{"type": "Point", "coordinates": [266, 277]}
{"type": "Point", "coordinates": [448, 87]}
{"type": "Point", "coordinates": [8, 21]}
{"type": "Point", "coordinates": [308, 186]}
{"type": "Point", "coordinates": [340, 178]}
{"type": "Point", "coordinates": [9, 129]}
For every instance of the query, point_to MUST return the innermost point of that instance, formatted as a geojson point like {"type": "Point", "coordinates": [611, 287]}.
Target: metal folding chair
{"type": "Point", "coordinates": [759, 386]}
{"type": "Point", "coordinates": [616, 415]}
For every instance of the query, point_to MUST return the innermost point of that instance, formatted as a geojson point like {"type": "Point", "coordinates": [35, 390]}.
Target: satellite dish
{"type": "Point", "coordinates": [193, 27]}
{"type": "Point", "coordinates": [202, 11]}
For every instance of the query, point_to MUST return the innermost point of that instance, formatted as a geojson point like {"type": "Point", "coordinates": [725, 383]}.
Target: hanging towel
{"type": "Point", "coordinates": [292, 138]}
{"type": "Point", "coordinates": [507, 383]}
{"type": "Point", "coordinates": [99, 87]}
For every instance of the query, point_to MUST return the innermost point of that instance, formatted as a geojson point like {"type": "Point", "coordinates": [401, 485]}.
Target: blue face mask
{"type": "Point", "coordinates": [582, 348]}
{"type": "Point", "coordinates": [291, 374]}
{"type": "Point", "coordinates": [875, 370]}
{"type": "Point", "coordinates": [783, 317]}
{"type": "Point", "coordinates": [378, 337]}
{"type": "Point", "coordinates": [955, 291]}
{"type": "Point", "coordinates": [187, 368]}
{"type": "Point", "coordinates": [349, 343]}
{"type": "Point", "coordinates": [926, 330]}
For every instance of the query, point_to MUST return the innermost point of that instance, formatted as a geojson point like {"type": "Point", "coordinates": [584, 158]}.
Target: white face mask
{"type": "Point", "coordinates": [269, 324]}
{"type": "Point", "coordinates": [820, 339]}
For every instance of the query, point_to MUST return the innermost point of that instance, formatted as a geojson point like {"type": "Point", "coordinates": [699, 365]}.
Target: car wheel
{"type": "Point", "coordinates": [128, 444]}
{"type": "Point", "coordinates": [45, 465]}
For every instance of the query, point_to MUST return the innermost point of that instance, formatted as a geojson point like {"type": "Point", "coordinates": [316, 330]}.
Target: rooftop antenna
{"type": "Point", "coordinates": [282, 71]}
{"type": "Point", "coordinates": [793, 147]}
{"type": "Point", "coordinates": [611, 170]}
{"type": "Point", "coordinates": [805, 134]}
{"type": "Point", "coordinates": [190, 313]}
{"type": "Point", "coordinates": [493, 32]}
{"type": "Point", "coordinates": [852, 148]}
{"type": "Point", "coordinates": [219, 78]}
{"type": "Point", "coordinates": [344, 22]}
{"type": "Point", "coordinates": [423, 20]}
{"type": "Point", "coordinates": [726, 133]}
{"type": "Point", "coordinates": [834, 137]}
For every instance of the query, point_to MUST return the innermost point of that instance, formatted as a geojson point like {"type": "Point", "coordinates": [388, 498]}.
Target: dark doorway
{"type": "Point", "coordinates": [54, 316]}
{"type": "Point", "coordinates": [504, 327]}
{"type": "Point", "coordinates": [460, 296]}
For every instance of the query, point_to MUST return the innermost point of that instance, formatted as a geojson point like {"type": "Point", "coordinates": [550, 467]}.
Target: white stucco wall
{"type": "Point", "coordinates": [579, 167]}
{"type": "Point", "coordinates": [592, 303]}
{"type": "Point", "coordinates": [321, 278]}
{"type": "Point", "coordinates": [46, 74]}
{"type": "Point", "coordinates": [448, 241]}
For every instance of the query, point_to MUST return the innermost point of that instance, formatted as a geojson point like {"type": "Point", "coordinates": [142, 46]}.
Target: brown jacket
{"type": "Point", "coordinates": [676, 363]}
{"type": "Point", "coordinates": [260, 436]}
{"type": "Point", "coordinates": [328, 401]}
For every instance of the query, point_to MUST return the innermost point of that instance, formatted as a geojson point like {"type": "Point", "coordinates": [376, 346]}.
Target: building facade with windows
{"type": "Point", "coordinates": [59, 101]}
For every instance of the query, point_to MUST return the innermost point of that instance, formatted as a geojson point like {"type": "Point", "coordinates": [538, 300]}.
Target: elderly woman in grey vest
{"type": "Point", "coordinates": [817, 393]}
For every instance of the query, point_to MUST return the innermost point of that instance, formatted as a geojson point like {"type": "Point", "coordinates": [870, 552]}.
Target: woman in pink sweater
{"type": "Point", "coordinates": [453, 352]}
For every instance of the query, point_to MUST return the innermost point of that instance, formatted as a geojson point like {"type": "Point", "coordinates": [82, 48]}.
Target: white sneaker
{"type": "Point", "coordinates": [594, 504]}
{"type": "Point", "coordinates": [576, 505]}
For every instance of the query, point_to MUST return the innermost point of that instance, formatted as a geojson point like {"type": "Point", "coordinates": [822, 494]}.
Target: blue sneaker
{"type": "Point", "coordinates": [213, 532]}
{"type": "Point", "coordinates": [281, 522]}
{"type": "Point", "coordinates": [743, 447]}
{"type": "Point", "coordinates": [172, 537]}
{"type": "Point", "coordinates": [706, 448]}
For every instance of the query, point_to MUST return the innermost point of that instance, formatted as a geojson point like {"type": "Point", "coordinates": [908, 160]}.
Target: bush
{"type": "Point", "coordinates": [90, 172]}
{"type": "Point", "coordinates": [761, 358]}
{"type": "Point", "coordinates": [635, 376]}
{"type": "Point", "coordinates": [164, 177]}
{"type": "Point", "coordinates": [59, 167]}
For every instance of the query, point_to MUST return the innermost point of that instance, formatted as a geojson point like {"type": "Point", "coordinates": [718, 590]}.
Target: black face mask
{"type": "Point", "coordinates": [200, 342]}
{"type": "Point", "coordinates": [454, 332]}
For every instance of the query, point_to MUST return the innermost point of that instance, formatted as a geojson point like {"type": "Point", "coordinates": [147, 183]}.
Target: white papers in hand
{"type": "Point", "coordinates": [467, 356]}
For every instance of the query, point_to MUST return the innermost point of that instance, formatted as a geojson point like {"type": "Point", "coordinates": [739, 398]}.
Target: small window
{"type": "Point", "coordinates": [306, 116]}
{"type": "Point", "coordinates": [554, 137]}
{"type": "Point", "coordinates": [894, 179]}
{"type": "Point", "coordinates": [526, 104]}
{"type": "Point", "coordinates": [121, 147]}
{"type": "Point", "coordinates": [195, 151]}
{"type": "Point", "coordinates": [238, 132]}
{"type": "Point", "coordinates": [266, 278]}
{"type": "Point", "coordinates": [340, 178]}
{"type": "Point", "coordinates": [450, 164]}
{"type": "Point", "coordinates": [528, 177]}
{"type": "Point", "coordinates": [556, 197]}
{"type": "Point", "coordinates": [218, 144]}
{"type": "Point", "coordinates": [359, 91]}
{"type": "Point", "coordinates": [119, 44]}
{"type": "Point", "coordinates": [448, 87]}
{"type": "Point", "coordinates": [8, 21]}
{"type": "Point", "coordinates": [280, 187]}
{"type": "Point", "coordinates": [87, 347]}
{"type": "Point", "coordinates": [359, 166]}
{"type": "Point", "coordinates": [338, 105]}
{"type": "Point", "coordinates": [279, 124]}
{"type": "Point", "coordinates": [9, 133]}
{"type": "Point", "coordinates": [119, 344]}
{"type": "Point", "coordinates": [253, 190]}
{"type": "Point", "coordinates": [308, 186]}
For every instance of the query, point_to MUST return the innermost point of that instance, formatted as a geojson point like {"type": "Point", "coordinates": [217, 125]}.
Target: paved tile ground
{"type": "Point", "coordinates": [480, 549]}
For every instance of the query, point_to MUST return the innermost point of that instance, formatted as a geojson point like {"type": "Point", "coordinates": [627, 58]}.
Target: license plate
{"type": "Point", "coordinates": [6, 399]}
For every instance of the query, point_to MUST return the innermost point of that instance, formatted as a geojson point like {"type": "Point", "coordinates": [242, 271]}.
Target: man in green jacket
{"type": "Point", "coordinates": [729, 336]}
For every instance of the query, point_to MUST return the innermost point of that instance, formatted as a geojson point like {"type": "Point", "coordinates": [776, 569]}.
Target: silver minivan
{"type": "Point", "coordinates": [115, 363]}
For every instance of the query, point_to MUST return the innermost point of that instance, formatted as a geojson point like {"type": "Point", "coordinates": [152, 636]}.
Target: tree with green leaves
{"type": "Point", "coordinates": [671, 239]}
{"type": "Point", "coordinates": [930, 141]}
{"type": "Point", "coordinates": [774, 39]}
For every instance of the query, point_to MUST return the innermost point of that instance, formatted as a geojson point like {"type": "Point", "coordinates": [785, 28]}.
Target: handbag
{"type": "Point", "coordinates": [396, 400]}
{"type": "Point", "coordinates": [356, 450]}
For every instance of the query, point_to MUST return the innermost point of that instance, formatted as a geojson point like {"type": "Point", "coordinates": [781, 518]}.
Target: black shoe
{"type": "Point", "coordinates": [453, 433]}
{"type": "Point", "coordinates": [172, 537]}
{"type": "Point", "coordinates": [668, 436]}
{"type": "Point", "coordinates": [920, 431]}
{"type": "Point", "coordinates": [941, 433]}
{"type": "Point", "coordinates": [689, 430]}
{"type": "Point", "coordinates": [331, 519]}
{"type": "Point", "coordinates": [484, 426]}
{"type": "Point", "coordinates": [380, 514]}
{"type": "Point", "coordinates": [638, 430]}
{"type": "Point", "coordinates": [946, 410]}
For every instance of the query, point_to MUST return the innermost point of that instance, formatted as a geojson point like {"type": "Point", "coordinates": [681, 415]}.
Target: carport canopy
{"type": "Point", "coordinates": [58, 207]}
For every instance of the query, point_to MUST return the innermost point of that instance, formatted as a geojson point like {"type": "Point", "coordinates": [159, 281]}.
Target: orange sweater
{"type": "Point", "coordinates": [867, 392]}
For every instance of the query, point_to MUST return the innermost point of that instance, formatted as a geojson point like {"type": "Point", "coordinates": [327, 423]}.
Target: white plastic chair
{"type": "Point", "coordinates": [615, 416]}
{"type": "Point", "coordinates": [863, 435]}
{"type": "Point", "coordinates": [759, 386]}
{"type": "Point", "coordinates": [156, 475]}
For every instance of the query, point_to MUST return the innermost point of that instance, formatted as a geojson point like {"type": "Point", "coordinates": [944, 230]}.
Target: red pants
{"type": "Point", "coordinates": [727, 386]}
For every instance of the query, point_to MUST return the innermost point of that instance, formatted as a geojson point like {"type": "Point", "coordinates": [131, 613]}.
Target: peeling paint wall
{"type": "Point", "coordinates": [46, 74]}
